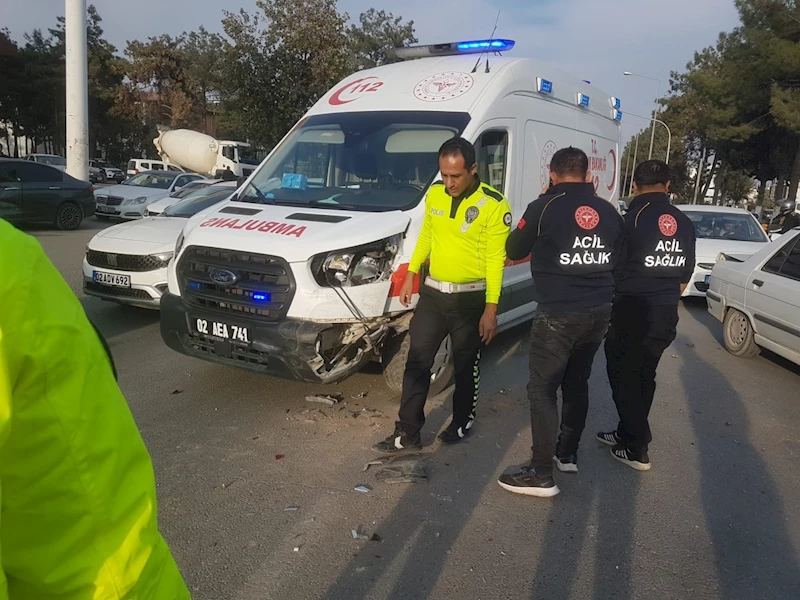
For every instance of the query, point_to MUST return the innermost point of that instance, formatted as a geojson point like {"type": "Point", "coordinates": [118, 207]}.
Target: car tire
{"type": "Point", "coordinates": [68, 216]}
{"type": "Point", "coordinates": [395, 356]}
{"type": "Point", "coordinates": [738, 335]}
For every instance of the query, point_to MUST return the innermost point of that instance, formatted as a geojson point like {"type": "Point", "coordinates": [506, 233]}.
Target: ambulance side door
{"type": "Point", "coordinates": [499, 166]}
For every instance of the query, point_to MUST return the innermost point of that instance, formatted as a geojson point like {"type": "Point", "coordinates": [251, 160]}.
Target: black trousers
{"type": "Point", "coordinates": [637, 338]}
{"type": "Point", "coordinates": [438, 315]}
{"type": "Point", "coordinates": [563, 346]}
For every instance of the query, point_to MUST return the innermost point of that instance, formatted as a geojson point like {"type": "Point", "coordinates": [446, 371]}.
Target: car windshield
{"type": "Point", "coordinates": [726, 226]}
{"type": "Point", "coordinates": [54, 161]}
{"type": "Point", "coordinates": [189, 188]}
{"type": "Point", "coordinates": [373, 161]}
{"type": "Point", "coordinates": [199, 200]}
{"type": "Point", "coordinates": [151, 180]}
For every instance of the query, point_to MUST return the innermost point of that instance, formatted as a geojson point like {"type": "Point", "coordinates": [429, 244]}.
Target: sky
{"type": "Point", "coordinates": [592, 39]}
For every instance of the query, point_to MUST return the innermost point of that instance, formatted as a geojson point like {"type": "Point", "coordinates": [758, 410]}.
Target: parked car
{"type": "Point", "coordinates": [100, 172]}
{"type": "Point", "coordinates": [208, 186]}
{"type": "Point", "coordinates": [31, 192]}
{"type": "Point", "coordinates": [130, 199]}
{"type": "Point", "coordinates": [127, 263]}
{"type": "Point", "coordinates": [757, 299]}
{"type": "Point", "coordinates": [720, 229]}
{"type": "Point", "coordinates": [138, 165]}
{"type": "Point", "coordinates": [53, 160]}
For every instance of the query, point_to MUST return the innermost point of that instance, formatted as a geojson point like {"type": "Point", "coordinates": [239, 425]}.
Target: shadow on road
{"type": "Point", "coordinates": [423, 527]}
{"type": "Point", "coordinates": [115, 319]}
{"type": "Point", "coordinates": [754, 555]}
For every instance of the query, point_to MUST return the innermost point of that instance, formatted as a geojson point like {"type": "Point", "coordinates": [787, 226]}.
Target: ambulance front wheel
{"type": "Point", "coordinates": [395, 355]}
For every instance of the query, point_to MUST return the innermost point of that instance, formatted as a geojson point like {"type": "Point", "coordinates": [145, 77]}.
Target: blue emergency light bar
{"type": "Point", "coordinates": [454, 48]}
{"type": "Point", "coordinates": [615, 103]}
{"type": "Point", "coordinates": [543, 86]}
{"type": "Point", "coordinates": [583, 100]}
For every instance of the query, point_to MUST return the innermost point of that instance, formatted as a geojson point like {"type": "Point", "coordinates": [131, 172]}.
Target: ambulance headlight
{"type": "Point", "coordinates": [365, 264]}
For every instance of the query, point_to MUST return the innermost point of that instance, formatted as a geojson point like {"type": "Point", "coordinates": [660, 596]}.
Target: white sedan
{"type": "Point", "coordinates": [720, 229]}
{"type": "Point", "coordinates": [129, 199]}
{"type": "Point", "coordinates": [127, 263]}
{"type": "Point", "coordinates": [757, 298]}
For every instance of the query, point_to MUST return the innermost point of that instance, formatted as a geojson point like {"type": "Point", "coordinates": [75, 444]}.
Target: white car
{"type": "Point", "coordinates": [127, 263]}
{"type": "Point", "coordinates": [140, 165]}
{"type": "Point", "coordinates": [720, 229]}
{"type": "Point", "coordinates": [129, 200]}
{"type": "Point", "coordinates": [757, 298]}
{"type": "Point", "coordinates": [157, 207]}
{"type": "Point", "coordinates": [54, 160]}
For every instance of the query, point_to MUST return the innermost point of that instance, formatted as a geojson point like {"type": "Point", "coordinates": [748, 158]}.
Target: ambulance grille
{"type": "Point", "coordinates": [262, 289]}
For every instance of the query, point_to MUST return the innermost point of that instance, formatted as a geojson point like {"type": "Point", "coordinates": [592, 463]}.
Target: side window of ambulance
{"type": "Point", "coordinates": [492, 152]}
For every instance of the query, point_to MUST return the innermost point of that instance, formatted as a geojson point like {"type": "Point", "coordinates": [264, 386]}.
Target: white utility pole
{"type": "Point", "coordinates": [77, 89]}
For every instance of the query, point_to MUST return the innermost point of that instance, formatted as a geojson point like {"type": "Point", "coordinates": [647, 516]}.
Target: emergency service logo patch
{"type": "Point", "coordinates": [587, 218]}
{"type": "Point", "coordinates": [548, 151]}
{"type": "Point", "coordinates": [443, 86]}
{"type": "Point", "coordinates": [471, 214]}
{"type": "Point", "coordinates": [668, 225]}
{"type": "Point", "coordinates": [507, 219]}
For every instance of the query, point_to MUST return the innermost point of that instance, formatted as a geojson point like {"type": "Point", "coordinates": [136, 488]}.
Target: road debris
{"type": "Point", "coordinates": [674, 356]}
{"type": "Point", "coordinates": [280, 456]}
{"type": "Point", "coordinates": [358, 534]}
{"type": "Point", "coordinates": [360, 396]}
{"type": "Point", "coordinates": [403, 469]}
{"type": "Point", "coordinates": [297, 548]}
{"type": "Point", "coordinates": [503, 391]}
{"type": "Point", "coordinates": [176, 392]}
{"type": "Point", "coordinates": [290, 508]}
{"type": "Point", "coordinates": [371, 464]}
{"type": "Point", "coordinates": [442, 498]}
{"type": "Point", "coordinates": [364, 489]}
{"type": "Point", "coordinates": [330, 400]}
{"type": "Point", "coordinates": [375, 538]}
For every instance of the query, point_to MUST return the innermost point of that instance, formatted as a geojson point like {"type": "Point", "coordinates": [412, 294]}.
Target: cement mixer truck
{"type": "Point", "coordinates": [201, 153]}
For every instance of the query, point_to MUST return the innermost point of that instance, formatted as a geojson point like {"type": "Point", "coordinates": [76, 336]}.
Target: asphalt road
{"type": "Point", "coordinates": [716, 517]}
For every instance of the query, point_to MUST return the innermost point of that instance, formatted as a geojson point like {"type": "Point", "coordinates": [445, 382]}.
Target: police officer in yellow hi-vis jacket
{"type": "Point", "coordinates": [77, 490]}
{"type": "Point", "coordinates": [464, 234]}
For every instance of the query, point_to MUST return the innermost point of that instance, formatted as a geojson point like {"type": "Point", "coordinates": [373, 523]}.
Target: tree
{"type": "Point", "coordinates": [378, 32]}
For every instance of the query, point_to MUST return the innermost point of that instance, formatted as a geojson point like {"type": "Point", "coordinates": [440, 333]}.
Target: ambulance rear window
{"type": "Point", "coordinates": [371, 161]}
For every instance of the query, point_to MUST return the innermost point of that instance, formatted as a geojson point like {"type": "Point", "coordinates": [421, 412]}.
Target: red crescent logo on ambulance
{"type": "Point", "coordinates": [352, 91]}
{"type": "Point", "coordinates": [613, 156]}
{"type": "Point", "coordinates": [587, 218]}
{"type": "Point", "coordinates": [668, 225]}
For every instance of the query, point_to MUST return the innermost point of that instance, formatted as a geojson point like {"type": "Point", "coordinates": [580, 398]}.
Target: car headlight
{"type": "Point", "coordinates": [139, 200]}
{"type": "Point", "coordinates": [179, 243]}
{"type": "Point", "coordinates": [365, 264]}
{"type": "Point", "coordinates": [163, 256]}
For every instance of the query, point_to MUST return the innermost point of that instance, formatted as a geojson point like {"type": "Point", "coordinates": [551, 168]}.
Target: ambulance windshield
{"type": "Point", "coordinates": [371, 161]}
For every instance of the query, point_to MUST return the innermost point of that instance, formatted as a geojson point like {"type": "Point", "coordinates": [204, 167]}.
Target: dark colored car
{"type": "Point", "coordinates": [35, 193]}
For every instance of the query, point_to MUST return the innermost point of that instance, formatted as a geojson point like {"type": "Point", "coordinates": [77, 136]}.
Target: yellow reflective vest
{"type": "Point", "coordinates": [465, 241]}
{"type": "Point", "coordinates": [77, 489]}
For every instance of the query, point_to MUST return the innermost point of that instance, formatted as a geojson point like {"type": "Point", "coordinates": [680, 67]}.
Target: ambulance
{"type": "Point", "coordinates": [298, 275]}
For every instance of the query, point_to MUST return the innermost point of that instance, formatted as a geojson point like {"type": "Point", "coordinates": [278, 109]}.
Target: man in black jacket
{"type": "Point", "coordinates": [575, 240]}
{"type": "Point", "coordinates": [659, 263]}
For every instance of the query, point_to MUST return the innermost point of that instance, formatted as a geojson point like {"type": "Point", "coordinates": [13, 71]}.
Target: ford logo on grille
{"type": "Point", "coordinates": [223, 276]}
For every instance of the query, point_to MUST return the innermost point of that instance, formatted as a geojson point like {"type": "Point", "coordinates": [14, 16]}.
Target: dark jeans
{"type": "Point", "coordinates": [637, 338]}
{"type": "Point", "coordinates": [563, 346]}
{"type": "Point", "coordinates": [438, 315]}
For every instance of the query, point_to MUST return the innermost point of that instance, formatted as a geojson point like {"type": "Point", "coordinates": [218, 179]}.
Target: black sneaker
{"type": "Point", "coordinates": [455, 433]}
{"type": "Point", "coordinates": [399, 442]}
{"type": "Point", "coordinates": [566, 464]}
{"type": "Point", "coordinates": [639, 462]}
{"type": "Point", "coordinates": [528, 483]}
{"type": "Point", "coordinates": [609, 438]}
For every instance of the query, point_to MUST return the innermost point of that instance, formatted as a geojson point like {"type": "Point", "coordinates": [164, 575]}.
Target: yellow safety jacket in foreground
{"type": "Point", "coordinates": [465, 241]}
{"type": "Point", "coordinates": [77, 490]}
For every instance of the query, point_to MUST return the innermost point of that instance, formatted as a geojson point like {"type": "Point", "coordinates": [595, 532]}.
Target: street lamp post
{"type": "Point", "coordinates": [635, 153]}
{"type": "Point", "coordinates": [669, 132]}
{"type": "Point", "coordinates": [655, 108]}
{"type": "Point", "coordinates": [77, 87]}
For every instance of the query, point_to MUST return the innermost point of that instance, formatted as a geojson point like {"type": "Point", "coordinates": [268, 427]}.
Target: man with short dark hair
{"type": "Point", "coordinates": [574, 239]}
{"type": "Point", "coordinates": [464, 234]}
{"type": "Point", "coordinates": [659, 263]}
